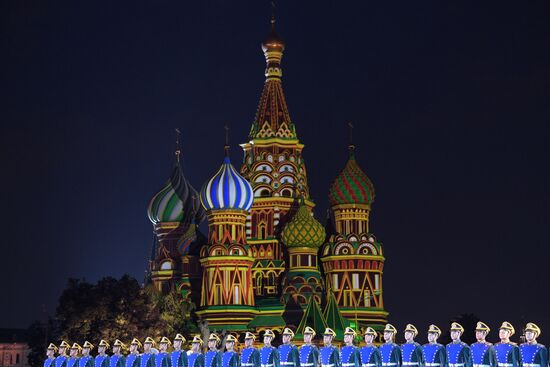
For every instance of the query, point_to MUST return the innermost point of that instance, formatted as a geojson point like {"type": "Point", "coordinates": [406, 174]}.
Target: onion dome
{"type": "Point", "coordinates": [303, 230]}
{"type": "Point", "coordinates": [351, 186]}
{"type": "Point", "coordinates": [273, 42]}
{"type": "Point", "coordinates": [227, 190]}
{"type": "Point", "coordinates": [273, 48]}
{"type": "Point", "coordinates": [177, 201]}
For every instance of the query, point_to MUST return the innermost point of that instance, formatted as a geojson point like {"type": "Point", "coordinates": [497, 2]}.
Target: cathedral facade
{"type": "Point", "coordinates": [266, 262]}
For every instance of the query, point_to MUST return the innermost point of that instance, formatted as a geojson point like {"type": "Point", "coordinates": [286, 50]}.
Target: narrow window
{"type": "Point", "coordinates": [355, 280]}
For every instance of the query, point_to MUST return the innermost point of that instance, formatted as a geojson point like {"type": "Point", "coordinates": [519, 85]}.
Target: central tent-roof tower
{"type": "Point", "coordinates": [274, 165]}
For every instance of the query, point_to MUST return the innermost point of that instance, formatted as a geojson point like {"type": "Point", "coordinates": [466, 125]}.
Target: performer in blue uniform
{"type": "Point", "coordinates": [50, 355]}
{"type": "Point", "coordinates": [117, 359]}
{"type": "Point", "coordinates": [370, 355]}
{"type": "Point", "coordinates": [458, 352]}
{"type": "Point", "coordinates": [309, 354]}
{"type": "Point", "coordinates": [147, 358]}
{"type": "Point", "coordinates": [61, 360]}
{"type": "Point", "coordinates": [102, 359]}
{"type": "Point", "coordinates": [75, 350]}
{"type": "Point", "coordinates": [329, 355]}
{"type": "Point", "coordinates": [195, 356]}
{"type": "Point", "coordinates": [86, 360]}
{"type": "Point", "coordinates": [349, 354]}
{"type": "Point", "coordinates": [288, 352]}
{"type": "Point", "coordinates": [532, 353]}
{"type": "Point", "coordinates": [213, 358]}
{"type": "Point", "coordinates": [178, 358]}
{"type": "Point", "coordinates": [162, 359]}
{"type": "Point", "coordinates": [132, 359]}
{"type": "Point", "coordinates": [390, 352]}
{"type": "Point", "coordinates": [483, 353]}
{"type": "Point", "coordinates": [230, 358]}
{"type": "Point", "coordinates": [269, 355]}
{"type": "Point", "coordinates": [434, 354]}
{"type": "Point", "coordinates": [411, 351]}
{"type": "Point", "coordinates": [507, 353]}
{"type": "Point", "coordinates": [250, 356]}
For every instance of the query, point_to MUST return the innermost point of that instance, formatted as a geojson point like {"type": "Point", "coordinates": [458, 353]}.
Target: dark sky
{"type": "Point", "coordinates": [450, 100]}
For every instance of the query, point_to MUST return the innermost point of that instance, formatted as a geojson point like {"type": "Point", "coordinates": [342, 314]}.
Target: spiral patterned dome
{"type": "Point", "coordinates": [177, 201]}
{"type": "Point", "coordinates": [351, 186]}
{"type": "Point", "coordinates": [303, 230]}
{"type": "Point", "coordinates": [227, 190]}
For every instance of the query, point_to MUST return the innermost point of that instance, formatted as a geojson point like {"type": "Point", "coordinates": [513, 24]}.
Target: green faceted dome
{"type": "Point", "coordinates": [303, 230]}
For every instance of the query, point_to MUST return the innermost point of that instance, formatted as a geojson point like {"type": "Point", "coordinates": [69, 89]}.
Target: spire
{"type": "Point", "coordinates": [334, 318]}
{"type": "Point", "coordinates": [313, 318]}
{"type": "Point", "coordinates": [178, 147]}
{"type": "Point", "coordinates": [273, 48]}
{"type": "Point", "coordinates": [272, 118]}
{"type": "Point", "coordinates": [226, 146]}
{"type": "Point", "coordinates": [351, 147]}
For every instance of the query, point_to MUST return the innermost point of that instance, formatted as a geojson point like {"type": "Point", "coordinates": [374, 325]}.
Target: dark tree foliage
{"type": "Point", "coordinates": [111, 309]}
{"type": "Point", "coordinates": [107, 310]}
{"type": "Point", "coordinates": [175, 313]}
{"type": "Point", "coordinates": [39, 335]}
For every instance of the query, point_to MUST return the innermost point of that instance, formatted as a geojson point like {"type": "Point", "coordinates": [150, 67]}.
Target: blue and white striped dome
{"type": "Point", "coordinates": [227, 190]}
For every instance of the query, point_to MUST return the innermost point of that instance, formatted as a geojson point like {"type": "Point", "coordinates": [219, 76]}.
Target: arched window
{"type": "Point", "coordinates": [262, 231]}
{"type": "Point", "coordinates": [264, 167]}
{"type": "Point", "coordinates": [263, 179]}
{"type": "Point", "coordinates": [167, 265]}
{"type": "Point", "coordinates": [259, 284]}
{"type": "Point", "coordinates": [271, 279]}
{"type": "Point", "coordinates": [286, 168]}
{"type": "Point", "coordinates": [286, 193]}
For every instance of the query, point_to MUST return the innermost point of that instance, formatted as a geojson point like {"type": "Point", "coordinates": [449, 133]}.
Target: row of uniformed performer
{"type": "Point", "coordinates": [79, 356]}
{"type": "Point", "coordinates": [459, 354]}
{"type": "Point", "coordinates": [389, 354]}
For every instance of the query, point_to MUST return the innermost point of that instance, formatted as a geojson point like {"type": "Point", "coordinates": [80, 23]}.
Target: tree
{"type": "Point", "coordinates": [175, 312]}
{"type": "Point", "coordinates": [107, 310]}
{"type": "Point", "coordinates": [112, 309]}
{"type": "Point", "coordinates": [38, 337]}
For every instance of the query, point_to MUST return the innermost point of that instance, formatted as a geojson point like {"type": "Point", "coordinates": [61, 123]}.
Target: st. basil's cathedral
{"type": "Point", "coordinates": [266, 262]}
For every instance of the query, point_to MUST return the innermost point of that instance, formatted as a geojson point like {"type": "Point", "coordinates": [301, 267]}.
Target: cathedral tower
{"type": "Point", "coordinates": [274, 165]}
{"type": "Point", "coordinates": [302, 236]}
{"type": "Point", "coordinates": [352, 258]}
{"type": "Point", "coordinates": [175, 213]}
{"type": "Point", "coordinates": [227, 299]}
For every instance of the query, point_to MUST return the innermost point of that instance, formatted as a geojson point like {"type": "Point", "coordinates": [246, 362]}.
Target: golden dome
{"type": "Point", "coordinates": [273, 42]}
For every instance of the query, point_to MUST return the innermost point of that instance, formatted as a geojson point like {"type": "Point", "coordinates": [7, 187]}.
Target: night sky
{"type": "Point", "coordinates": [450, 101]}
